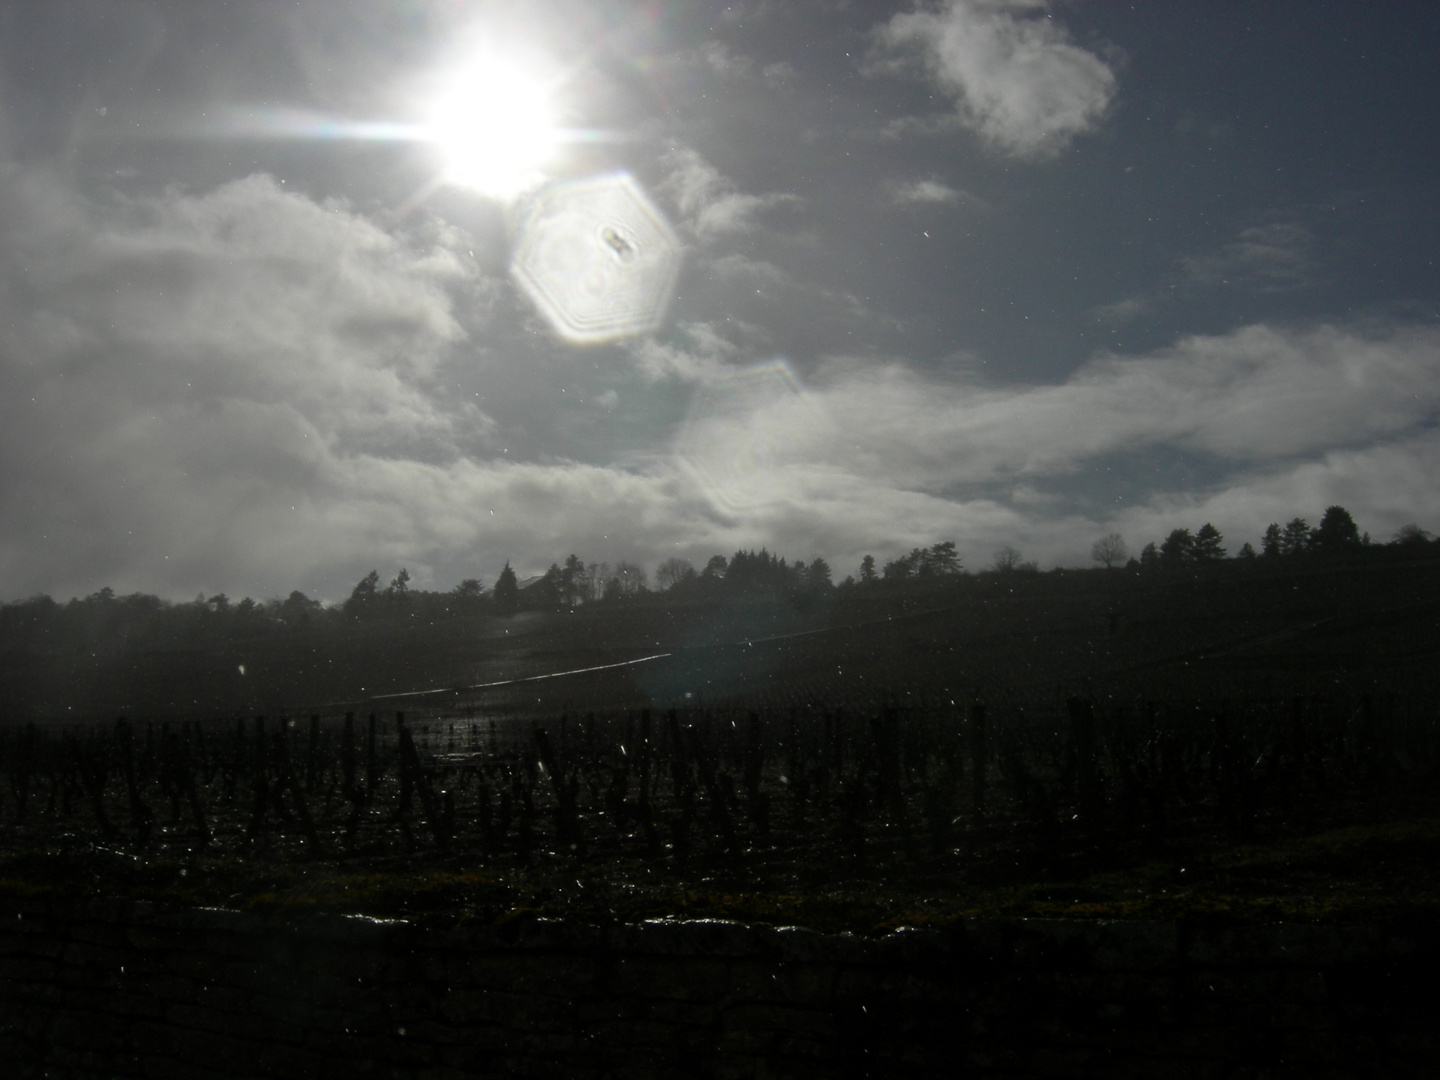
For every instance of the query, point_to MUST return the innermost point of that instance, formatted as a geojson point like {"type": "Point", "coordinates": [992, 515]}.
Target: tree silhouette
{"type": "Point", "coordinates": [938, 560]}
{"type": "Point", "coordinates": [1109, 550]}
{"type": "Point", "coordinates": [1006, 559]}
{"type": "Point", "coordinates": [596, 578]}
{"type": "Point", "coordinates": [1246, 551]}
{"type": "Point", "coordinates": [572, 580]}
{"type": "Point", "coordinates": [631, 578]}
{"type": "Point", "coordinates": [397, 593]}
{"type": "Point", "coordinates": [943, 559]}
{"type": "Point", "coordinates": [817, 574]}
{"type": "Point", "coordinates": [1207, 547]}
{"type": "Point", "coordinates": [1411, 535]}
{"type": "Point", "coordinates": [1337, 531]}
{"type": "Point", "coordinates": [674, 571]}
{"type": "Point", "coordinates": [901, 569]}
{"type": "Point", "coordinates": [1149, 556]}
{"type": "Point", "coordinates": [507, 591]}
{"type": "Point", "coordinates": [1296, 537]}
{"type": "Point", "coordinates": [867, 569]}
{"type": "Point", "coordinates": [467, 597]}
{"type": "Point", "coordinates": [546, 591]}
{"type": "Point", "coordinates": [362, 598]}
{"type": "Point", "coordinates": [1270, 544]}
{"type": "Point", "coordinates": [1178, 549]}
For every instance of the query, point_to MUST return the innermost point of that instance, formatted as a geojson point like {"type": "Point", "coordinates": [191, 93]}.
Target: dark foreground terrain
{"type": "Point", "coordinates": [1248, 744]}
{"type": "Point", "coordinates": [1313, 809]}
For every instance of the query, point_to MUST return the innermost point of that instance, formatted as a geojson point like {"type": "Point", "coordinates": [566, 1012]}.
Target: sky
{"type": "Point", "coordinates": [290, 291]}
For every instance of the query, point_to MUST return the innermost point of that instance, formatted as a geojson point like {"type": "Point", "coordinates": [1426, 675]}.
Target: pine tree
{"type": "Point", "coordinates": [1207, 547]}
{"type": "Point", "coordinates": [507, 591]}
{"type": "Point", "coordinates": [1296, 537]}
{"type": "Point", "coordinates": [1270, 545]}
{"type": "Point", "coordinates": [1178, 548]}
{"type": "Point", "coordinates": [1149, 556]}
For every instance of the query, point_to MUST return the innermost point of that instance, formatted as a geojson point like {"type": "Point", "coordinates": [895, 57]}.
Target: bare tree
{"type": "Point", "coordinates": [672, 572]}
{"type": "Point", "coordinates": [1411, 535]}
{"type": "Point", "coordinates": [596, 577]}
{"type": "Point", "coordinates": [1109, 550]}
{"type": "Point", "coordinates": [572, 581]}
{"type": "Point", "coordinates": [631, 578]}
{"type": "Point", "coordinates": [1006, 559]}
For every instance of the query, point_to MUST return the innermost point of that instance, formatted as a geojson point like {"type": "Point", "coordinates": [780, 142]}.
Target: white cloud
{"type": "Point", "coordinates": [1014, 73]}
{"type": "Point", "coordinates": [1256, 394]}
{"type": "Point", "coordinates": [709, 202]}
{"type": "Point", "coordinates": [702, 356]}
{"type": "Point", "coordinates": [926, 192]}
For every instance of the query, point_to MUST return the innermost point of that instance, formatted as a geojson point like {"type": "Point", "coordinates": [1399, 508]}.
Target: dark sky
{"type": "Point", "coordinates": [996, 271]}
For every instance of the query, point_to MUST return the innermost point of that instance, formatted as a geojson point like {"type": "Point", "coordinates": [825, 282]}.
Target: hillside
{"type": "Point", "coordinates": [1236, 630]}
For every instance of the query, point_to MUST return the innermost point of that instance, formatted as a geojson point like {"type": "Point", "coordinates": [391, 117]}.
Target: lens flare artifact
{"type": "Point", "coordinates": [598, 259]}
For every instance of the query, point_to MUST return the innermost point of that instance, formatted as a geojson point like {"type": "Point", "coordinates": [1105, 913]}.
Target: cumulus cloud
{"type": "Point", "coordinates": [1015, 75]}
{"type": "Point", "coordinates": [710, 203]}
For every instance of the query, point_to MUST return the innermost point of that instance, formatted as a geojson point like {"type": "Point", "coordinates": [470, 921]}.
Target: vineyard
{"type": "Point", "coordinates": [927, 802]}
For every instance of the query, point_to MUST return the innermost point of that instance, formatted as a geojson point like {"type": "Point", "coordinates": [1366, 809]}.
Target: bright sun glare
{"type": "Point", "coordinates": [495, 125]}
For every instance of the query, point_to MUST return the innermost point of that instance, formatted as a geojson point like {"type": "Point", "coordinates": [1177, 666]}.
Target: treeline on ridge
{"type": "Point", "coordinates": [106, 620]}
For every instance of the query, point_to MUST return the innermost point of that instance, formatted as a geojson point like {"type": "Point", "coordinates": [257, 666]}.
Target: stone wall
{"type": "Point", "coordinates": [108, 989]}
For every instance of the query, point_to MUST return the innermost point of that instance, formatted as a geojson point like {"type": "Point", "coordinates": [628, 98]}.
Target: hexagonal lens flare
{"type": "Point", "coordinates": [598, 259]}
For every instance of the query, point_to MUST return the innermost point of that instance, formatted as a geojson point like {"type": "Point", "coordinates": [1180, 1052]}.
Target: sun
{"type": "Point", "coordinates": [494, 122]}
